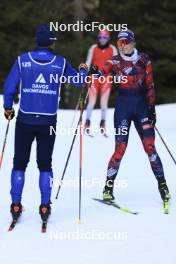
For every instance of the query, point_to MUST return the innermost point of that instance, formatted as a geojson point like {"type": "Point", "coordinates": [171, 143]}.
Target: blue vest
{"type": "Point", "coordinates": [40, 84]}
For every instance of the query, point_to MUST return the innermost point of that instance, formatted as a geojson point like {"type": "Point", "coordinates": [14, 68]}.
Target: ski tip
{"type": "Point", "coordinates": [78, 222]}
{"type": "Point", "coordinates": [114, 204]}
{"type": "Point", "coordinates": [90, 135]}
{"type": "Point", "coordinates": [12, 226]}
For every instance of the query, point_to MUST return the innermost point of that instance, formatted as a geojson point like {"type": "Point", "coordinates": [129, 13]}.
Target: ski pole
{"type": "Point", "coordinates": [77, 107]}
{"type": "Point", "coordinates": [172, 157]}
{"type": "Point", "coordinates": [80, 158]}
{"type": "Point", "coordinates": [73, 141]}
{"type": "Point", "coordinates": [4, 144]}
{"type": "Point", "coordinates": [75, 112]}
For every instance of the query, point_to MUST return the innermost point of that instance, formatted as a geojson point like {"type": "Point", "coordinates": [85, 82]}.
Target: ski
{"type": "Point", "coordinates": [12, 225]}
{"type": "Point", "coordinates": [166, 207]}
{"type": "Point", "coordinates": [105, 135]}
{"type": "Point", "coordinates": [89, 134]}
{"type": "Point", "coordinates": [93, 135]}
{"type": "Point", "coordinates": [124, 209]}
{"type": "Point", "coordinates": [44, 227]}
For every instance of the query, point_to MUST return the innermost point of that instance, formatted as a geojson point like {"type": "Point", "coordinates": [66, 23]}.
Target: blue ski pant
{"type": "Point", "coordinates": [128, 109]}
{"type": "Point", "coordinates": [25, 134]}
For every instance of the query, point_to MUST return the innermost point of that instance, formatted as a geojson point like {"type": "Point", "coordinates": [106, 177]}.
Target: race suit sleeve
{"type": "Point", "coordinates": [74, 77]}
{"type": "Point", "coordinates": [107, 68]}
{"type": "Point", "coordinates": [150, 90]}
{"type": "Point", "coordinates": [90, 56]}
{"type": "Point", "coordinates": [114, 51]}
{"type": "Point", "coordinates": [11, 85]}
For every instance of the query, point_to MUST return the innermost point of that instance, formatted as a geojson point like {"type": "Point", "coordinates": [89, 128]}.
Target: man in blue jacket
{"type": "Point", "coordinates": [36, 72]}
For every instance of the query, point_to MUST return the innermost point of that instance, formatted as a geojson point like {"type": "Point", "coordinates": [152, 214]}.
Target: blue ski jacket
{"type": "Point", "coordinates": [39, 74]}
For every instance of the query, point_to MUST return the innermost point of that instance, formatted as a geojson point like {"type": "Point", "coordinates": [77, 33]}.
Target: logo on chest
{"type": "Point", "coordinates": [127, 70]}
{"type": "Point", "coordinates": [40, 82]}
{"type": "Point", "coordinates": [40, 79]}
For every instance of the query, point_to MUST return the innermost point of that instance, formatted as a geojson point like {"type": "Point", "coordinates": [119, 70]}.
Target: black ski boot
{"type": "Point", "coordinates": [102, 127]}
{"type": "Point", "coordinates": [16, 210]}
{"type": "Point", "coordinates": [45, 211]}
{"type": "Point", "coordinates": [108, 191]}
{"type": "Point", "coordinates": [87, 127]}
{"type": "Point", "coordinates": [163, 189]}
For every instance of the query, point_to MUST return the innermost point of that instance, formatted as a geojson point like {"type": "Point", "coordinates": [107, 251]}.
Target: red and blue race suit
{"type": "Point", "coordinates": [135, 98]}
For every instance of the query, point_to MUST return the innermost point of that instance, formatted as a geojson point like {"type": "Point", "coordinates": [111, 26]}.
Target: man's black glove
{"type": "Point", "coordinates": [9, 113]}
{"type": "Point", "coordinates": [152, 115]}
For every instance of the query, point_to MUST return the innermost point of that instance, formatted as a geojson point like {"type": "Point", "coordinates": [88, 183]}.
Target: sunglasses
{"type": "Point", "coordinates": [124, 41]}
{"type": "Point", "coordinates": [103, 37]}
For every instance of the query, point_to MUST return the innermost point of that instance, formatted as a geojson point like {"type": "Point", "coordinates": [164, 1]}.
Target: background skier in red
{"type": "Point", "coordinates": [98, 54]}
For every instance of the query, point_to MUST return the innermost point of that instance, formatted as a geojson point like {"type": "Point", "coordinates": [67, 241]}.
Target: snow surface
{"type": "Point", "coordinates": [147, 238]}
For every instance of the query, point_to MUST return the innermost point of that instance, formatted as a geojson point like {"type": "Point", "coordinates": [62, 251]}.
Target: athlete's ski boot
{"type": "Point", "coordinates": [108, 191]}
{"type": "Point", "coordinates": [163, 189]}
{"type": "Point", "coordinates": [16, 210]}
{"type": "Point", "coordinates": [45, 211]}
{"type": "Point", "coordinates": [87, 127]}
{"type": "Point", "coordinates": [103, 128]}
